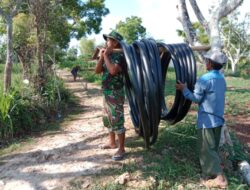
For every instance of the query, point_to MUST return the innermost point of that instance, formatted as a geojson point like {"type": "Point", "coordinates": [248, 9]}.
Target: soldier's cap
{"type": "Point", "coordinates": [216, 56]}
{"type": "Point", "coordinates": [114, 35]}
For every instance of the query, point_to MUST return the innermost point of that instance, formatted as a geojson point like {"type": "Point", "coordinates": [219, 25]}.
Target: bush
{"type": "Point", "coordinates": [231, 74]}
{"type": "Point", "coordinates": [70, 64]}
{"type": "Point", "coordinates": [54, 93]}
{"type": "Point", "coordinates": [6, 106]}
{"type": "Point", "coordinates": [245, 70]}
{"type": "Point", "coordinates": [23, 111]}
{"type": "Point", "coordinates": [25, 115]}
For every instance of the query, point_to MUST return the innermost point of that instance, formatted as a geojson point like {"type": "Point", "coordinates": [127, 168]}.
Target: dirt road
{"type": "Point", "coordinates": [57, 157]}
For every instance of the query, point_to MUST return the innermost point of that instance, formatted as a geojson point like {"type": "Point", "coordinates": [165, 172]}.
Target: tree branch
{"type": "Point", "coordinates": [199, 15]}
{"type": "Point", "coordinates": [16, 8]}
{"type": "Point", "coordinates": [228, 7]}
{"type": "Point", "coordinates": [186, 23]}
{"type": "Point", "coordinates": [2, 12]}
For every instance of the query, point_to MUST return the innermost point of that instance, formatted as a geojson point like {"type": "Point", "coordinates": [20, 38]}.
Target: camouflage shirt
{"type": "Point", "coordinates": [113, 82]}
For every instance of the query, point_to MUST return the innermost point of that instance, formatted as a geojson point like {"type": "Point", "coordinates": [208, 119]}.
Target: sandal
{"type": "Point", "coordinates": [107, 146]}
{"type": "Point", "coordinates": [118, 156]}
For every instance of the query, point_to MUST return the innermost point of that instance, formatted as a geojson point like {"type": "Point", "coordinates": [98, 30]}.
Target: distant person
{"type": "Point", "coordinates": [209, 93]}
{"type": "Point", "coordinates": [74, 72]}
{"type": "Point", "coordinates": [110, 64]}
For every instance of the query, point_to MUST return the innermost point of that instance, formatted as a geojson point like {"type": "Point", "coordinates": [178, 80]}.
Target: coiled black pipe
{"type": "Point", "coordinates": [185, 70]}
{"type": "Point", "coordinates": [145, 83]}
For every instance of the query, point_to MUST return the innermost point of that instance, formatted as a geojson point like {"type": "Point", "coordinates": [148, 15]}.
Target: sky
{"type": "Point", "coordinates": [159, 17]}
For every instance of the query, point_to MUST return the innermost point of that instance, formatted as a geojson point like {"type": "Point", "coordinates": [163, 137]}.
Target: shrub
{"type": "Point", "coordinates": [6, 106]}
{"type": "Point", "coordinates": [23, 111]}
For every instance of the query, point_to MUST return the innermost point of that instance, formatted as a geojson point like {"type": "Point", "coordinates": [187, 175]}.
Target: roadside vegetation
{"type": "Point", "coordinates": [172, 163]}
{"type": "Point", "coordinates": [23, 111]}
{"type": "Point", "coordinates": [32, 97]}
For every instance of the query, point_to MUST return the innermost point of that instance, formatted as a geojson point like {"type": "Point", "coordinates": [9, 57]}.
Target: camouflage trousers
{"type": "Point", "coordinates": [113, 112]}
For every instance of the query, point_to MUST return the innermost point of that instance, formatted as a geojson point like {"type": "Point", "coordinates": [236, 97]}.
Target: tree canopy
{"type": "Point", "coordinates": [87, 47]}
{"type": "Point", "coordinates": [202, 37]}
{"type": "Point", "coordinates": [220, 10]}
{"type": "Point", "coordinates": [131, 29]}
{"type": "Point", "coordinates": [46, 25]}
{"type": "Point", "coordinates": [236, 35]}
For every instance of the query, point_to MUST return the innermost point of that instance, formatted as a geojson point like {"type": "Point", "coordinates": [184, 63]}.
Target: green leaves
{"type": "Point", "coordinates": [131, 29]}
{"type": "Point", "coordinates": [202, 37]}
{"type": "Point", "coordinates": [6, 105]}
{"type": "Point", "coordinates": [85, 17]}
{"type": "Point", "coordinates": [87, 47]}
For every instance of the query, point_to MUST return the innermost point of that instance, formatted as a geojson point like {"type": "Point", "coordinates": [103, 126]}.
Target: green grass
{"type": "Point", "coordinates": [237, 96]}
{"type": "Point", "coordinates": [16, 75]}
{"type": "Point", "coordinates": [173, 162]}
{"type": "Point", "coordinates": [31, 112]}
{"type": "Point", "coordinates": [86, 69]}
{"type": "Point", "coordinates": [16, 144]}
{"type": "Point", "coordinates": [90, 76]}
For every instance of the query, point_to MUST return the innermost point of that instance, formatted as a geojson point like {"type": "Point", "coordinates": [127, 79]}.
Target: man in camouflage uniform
{"type": "Point", "coordinates": [110, 64]}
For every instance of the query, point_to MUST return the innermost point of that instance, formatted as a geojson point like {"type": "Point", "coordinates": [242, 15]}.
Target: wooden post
{"type": "Point", "coordinates": [200, 48]}
{"type": "Point", "coordinates": [194, 48]}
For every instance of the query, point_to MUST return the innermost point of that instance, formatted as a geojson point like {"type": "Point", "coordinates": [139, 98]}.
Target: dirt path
{"type": "Point", "coordinates": [55, 158]}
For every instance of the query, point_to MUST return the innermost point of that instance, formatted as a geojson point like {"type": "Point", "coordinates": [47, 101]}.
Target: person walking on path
{"type": "Point", "coordinates": [209, 93]}
{"type": "Point", "coordinates": [74, 71]}
{"type": "Point", "coordinates": [110, 64]}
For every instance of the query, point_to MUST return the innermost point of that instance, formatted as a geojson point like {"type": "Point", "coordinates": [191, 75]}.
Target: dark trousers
{"type": "Point", "coordinates": [208, 144]}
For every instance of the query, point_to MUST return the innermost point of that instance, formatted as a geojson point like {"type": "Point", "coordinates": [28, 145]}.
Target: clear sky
{"type": "Point", "coordinates": [159, 17]}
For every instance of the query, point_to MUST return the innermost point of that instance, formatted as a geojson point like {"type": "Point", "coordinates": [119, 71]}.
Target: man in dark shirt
{"type": "Point", "coordinates": [74, 71]}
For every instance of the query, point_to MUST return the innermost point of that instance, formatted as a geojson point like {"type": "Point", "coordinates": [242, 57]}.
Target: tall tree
{"type": "Point", "coordinates": [221, 9]}
{"type": "Point", "coordinates": [131, 29]}
{"type": "Point", "coordinates": [236, 37]}
{"type": "Point", "coordinates": [57, 21]}
{"type": "Point", "coordinates": [24, 41]}
{"type": "Point", "coordinates": [72, 53]}
{"type": "Point", "coordinates": [87, 47]}
{"type": "Point", "coordinates": [200, 33]}
{"type": "Point", "coordinates": [85, 16]}
{"type": "Point", "coordinates": [40, 10]}
{"type": "Point", "coordinates": [9, 9]}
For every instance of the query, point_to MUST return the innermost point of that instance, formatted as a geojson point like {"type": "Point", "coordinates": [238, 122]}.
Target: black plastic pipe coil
{"type": "Point", "coordinates": [145, 83]}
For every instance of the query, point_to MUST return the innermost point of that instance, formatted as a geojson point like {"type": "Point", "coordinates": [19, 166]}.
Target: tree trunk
{"type": "Point", "coordinates": [25, 59]}
{"type": "Point", "coordinates": [215, 40]}
{"type": "Point", "coordinates": [234, 67]}
{"type": "Point", "coordinates": [222, 9]}
{"type": "Point", "coordinates": [8, 16]}
{"type": "Point", "coordinates": [40, 52]}
{"type": "Point", "coordinates": [199, 15]}
{"type": "Point", "coordinates": [9, 59]}
{"type": "Point", "coordinates": [186, 23]}
{"type": "Point", "coordinates": [38, 8]}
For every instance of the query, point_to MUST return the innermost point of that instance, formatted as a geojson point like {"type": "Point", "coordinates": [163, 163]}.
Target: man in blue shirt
{"type": "Point", "coordinates": [209, 94]}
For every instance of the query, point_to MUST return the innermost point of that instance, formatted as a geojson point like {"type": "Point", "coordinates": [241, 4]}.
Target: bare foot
{"type": "Point", "coordinates": [218, 182]}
